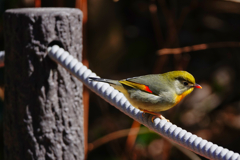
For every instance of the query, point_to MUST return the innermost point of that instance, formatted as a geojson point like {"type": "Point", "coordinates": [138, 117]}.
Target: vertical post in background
{"type": "Point", "coordinates": [37, 3]}
{"type": "Point", "coordinates": [43, 117]}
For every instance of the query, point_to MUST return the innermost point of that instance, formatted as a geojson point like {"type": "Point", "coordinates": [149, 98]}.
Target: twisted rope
{"type": "Point", "coordinates": [117, 99]}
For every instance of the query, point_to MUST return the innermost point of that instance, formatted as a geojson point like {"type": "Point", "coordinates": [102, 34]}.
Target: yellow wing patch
{"type": "Point", "coordinates": [136, 85]}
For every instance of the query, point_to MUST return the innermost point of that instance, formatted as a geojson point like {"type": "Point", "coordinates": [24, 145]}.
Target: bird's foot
{"type": "Point", "coordinates": [159, 116]}
{"type": "Point", "coordinates": [155, 115]}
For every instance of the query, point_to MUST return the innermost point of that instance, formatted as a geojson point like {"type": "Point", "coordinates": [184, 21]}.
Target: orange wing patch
{"type": "Point", "coordinates": [136, 85]}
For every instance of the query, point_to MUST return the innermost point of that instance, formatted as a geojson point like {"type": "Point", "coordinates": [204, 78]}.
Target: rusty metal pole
{"type": "Point", "coordinates": [43, 112]}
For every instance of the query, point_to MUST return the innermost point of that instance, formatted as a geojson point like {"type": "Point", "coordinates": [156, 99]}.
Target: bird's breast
{"type": "Point", "coordinates": [181, 96]}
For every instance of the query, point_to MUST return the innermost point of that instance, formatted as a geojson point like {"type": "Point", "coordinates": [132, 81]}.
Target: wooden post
{"type": "Point", "coordinates": [43, 112]}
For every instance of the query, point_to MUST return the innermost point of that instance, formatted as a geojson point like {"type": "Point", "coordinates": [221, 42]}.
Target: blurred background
{"type": "Point", "coordinates": [136, 37]}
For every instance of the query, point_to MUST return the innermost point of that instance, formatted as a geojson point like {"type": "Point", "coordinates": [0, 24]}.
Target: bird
{"type": "Point", "coordinates": [154, 93]}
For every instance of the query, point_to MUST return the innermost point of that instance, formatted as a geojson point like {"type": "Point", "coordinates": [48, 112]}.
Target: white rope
{"type": "Point", "coordinates": [117, 99]}
{"type": "Point", "coordinates": [2, 55]}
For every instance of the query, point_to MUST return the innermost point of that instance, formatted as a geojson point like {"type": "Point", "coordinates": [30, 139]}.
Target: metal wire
{"type": "Point", "coordinates": [117, 99]}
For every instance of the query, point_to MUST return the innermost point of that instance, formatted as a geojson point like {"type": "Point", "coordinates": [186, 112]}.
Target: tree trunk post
{"type": "Point", "coordinates": [43, 111]}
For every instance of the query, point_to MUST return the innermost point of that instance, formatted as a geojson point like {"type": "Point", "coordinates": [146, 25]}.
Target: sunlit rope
{"type": "Point", "coordinates": [117, 99]}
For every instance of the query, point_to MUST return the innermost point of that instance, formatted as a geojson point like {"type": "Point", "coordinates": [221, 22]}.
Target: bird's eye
{"type": "Point", "coordinates": [185, 83]}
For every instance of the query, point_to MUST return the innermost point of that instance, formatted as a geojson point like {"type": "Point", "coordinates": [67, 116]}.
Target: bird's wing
{"type": "Point", "coordinates": [136, 85]}
{"type": "Point", "coordinates": [145, 83]}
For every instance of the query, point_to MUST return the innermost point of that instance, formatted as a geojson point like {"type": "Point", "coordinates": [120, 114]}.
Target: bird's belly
{"type": "Point", "coordinates": [145, 101]}
{"type": "Point", "coordinates": [153, 107]}
{"type": "Point", "coordinates": [149, 102]}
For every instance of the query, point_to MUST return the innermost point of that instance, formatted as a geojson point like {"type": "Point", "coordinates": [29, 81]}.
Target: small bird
{"type": "Point", "coordinates": [155, 92]}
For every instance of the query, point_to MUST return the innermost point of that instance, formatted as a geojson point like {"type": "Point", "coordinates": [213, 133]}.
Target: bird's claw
{"type": "Point", "coordinates": [159, 116]}
{"type": "Point", "coordinates": [155, 116]}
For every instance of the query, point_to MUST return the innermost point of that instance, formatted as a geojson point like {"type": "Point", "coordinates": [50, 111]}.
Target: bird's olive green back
{"type": "Point", "coordinates": [156, 82]}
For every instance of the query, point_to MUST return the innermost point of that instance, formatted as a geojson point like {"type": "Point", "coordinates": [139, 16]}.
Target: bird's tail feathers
{"type": "Point", "coordinates": [114, 82]}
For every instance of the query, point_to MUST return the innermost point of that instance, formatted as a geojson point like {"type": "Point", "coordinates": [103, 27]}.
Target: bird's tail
{"type": "Point", "coordinates": [111, 82]}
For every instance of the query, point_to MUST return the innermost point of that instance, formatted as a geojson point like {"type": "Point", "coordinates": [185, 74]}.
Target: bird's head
{"type": "Point", "coordinates": [182, 82]}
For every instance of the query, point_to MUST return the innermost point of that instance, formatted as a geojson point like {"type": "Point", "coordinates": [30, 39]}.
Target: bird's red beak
{"type": "Point", "coordinates": [197, 86]}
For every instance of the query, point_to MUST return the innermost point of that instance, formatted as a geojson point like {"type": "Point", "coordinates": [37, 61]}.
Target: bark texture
{"type": "Point", "coordinates": [43, 116]}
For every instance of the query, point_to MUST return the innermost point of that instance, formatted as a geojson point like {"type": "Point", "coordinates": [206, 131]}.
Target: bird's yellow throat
{"type": "Point", "coordinates": [184, 94]}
